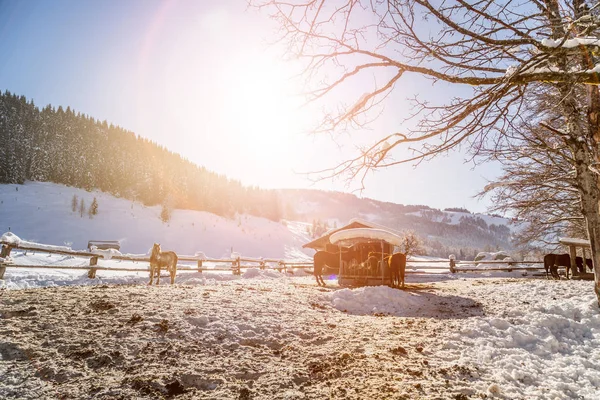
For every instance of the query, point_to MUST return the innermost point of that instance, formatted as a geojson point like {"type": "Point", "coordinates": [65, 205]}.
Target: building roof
{"type": "Point", "coordinates": [349, 237]}
{"type": "Point", "coordinates": [575, 242]}
{"type": "Point", "coordinates": [321, 242]}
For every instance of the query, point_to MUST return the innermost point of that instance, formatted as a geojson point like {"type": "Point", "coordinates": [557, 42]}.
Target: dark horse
{"type": "Point", "coordinates": [324, 259]}
{"type": "Point", "coordinates": [553, 261]}
{"type": "Point", "coordinates": [581, 267]}
{"type": "Point", "coordinates": [397, 263]}
{"type": "Point", "coordinates": [160, 259]}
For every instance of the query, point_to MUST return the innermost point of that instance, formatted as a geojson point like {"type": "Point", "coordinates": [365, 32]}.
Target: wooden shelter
{"type": "Point", "coordinates": [573, 244]}
{"type": "Point", "coordinates": [374, 270]}
{"type": "Point", "coordinates": [355, 272]}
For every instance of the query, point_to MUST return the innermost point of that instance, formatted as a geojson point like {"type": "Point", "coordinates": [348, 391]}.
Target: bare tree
{"type": "Point", "coordinates": [412, 243]}
{"type": "Point", "coordinates": [539, 182]}
{"type": "Point", "coordinates": [490, 53]}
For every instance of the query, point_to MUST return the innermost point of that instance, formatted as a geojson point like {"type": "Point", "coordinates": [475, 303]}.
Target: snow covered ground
{"type": "Point", "coordinates": [268, 335]}
{"type": "Point", "coordinates": [265, 333]}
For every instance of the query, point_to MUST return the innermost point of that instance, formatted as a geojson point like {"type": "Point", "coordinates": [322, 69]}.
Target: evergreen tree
{"type": "Point", "coordinates": [63, 146]}
{"type": "Point", "coordinates": [93, 208]}
{"type": "Point", "coordinates": [74, 202]}
{"type": "Point", "coordinates": [81, 208]}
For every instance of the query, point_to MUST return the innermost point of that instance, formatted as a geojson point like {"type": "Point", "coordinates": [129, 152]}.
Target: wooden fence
{"type": "Point", "coordinates": [236, 266]}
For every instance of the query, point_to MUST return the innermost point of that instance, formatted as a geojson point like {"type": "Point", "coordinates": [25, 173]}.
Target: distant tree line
{"type": "Point", "coordinates": [458, 209]}
{"type": "Point", "coordinates": [61, 146]}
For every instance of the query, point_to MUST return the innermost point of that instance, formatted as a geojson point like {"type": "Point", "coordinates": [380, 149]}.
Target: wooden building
{"type": "Point", "coordinates": [356, 270]}
{"type": "Point", "coordinates": [585, 246]}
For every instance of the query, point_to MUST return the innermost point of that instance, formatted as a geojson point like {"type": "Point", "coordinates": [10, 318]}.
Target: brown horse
{"type": "Point", "coordinates": [323, 259]}
{"type": "Point", "coordinates": [160, 259]}
{"type": "Point", "coordinates": [397, 263]}
{"type": "Point", "coordinates": [553, 261]}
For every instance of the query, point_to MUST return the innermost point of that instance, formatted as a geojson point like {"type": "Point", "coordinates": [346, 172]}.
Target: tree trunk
{"type": "Point", "coordinates": [582, 138]}
{"type": "Point", "coordinates": [593, 225]}
{"type": "Point", "coordinates": [593, 208]}
{"type": "Point", "coordinates": [590, 194]}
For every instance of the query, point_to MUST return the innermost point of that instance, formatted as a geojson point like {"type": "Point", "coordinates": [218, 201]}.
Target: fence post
{"type": "Point", "coordinates": [262, 265]}
{"type": "Point", "coordinates": [237, 267]}
{"type": "Point", "coordinates": [200, 266]}
{"type": "Point", "coordinates": [92, 271]}
{"type": "Point", "coordinates": [284, 267]}
{"type": "Point", "coordinates": [452, 258]}
{"type": "Point", "coordinates": [2, 270]}
{"type": "Point", "coordinates": [573, 266]}
{"type": "Point", "coordinates": [6, 248]}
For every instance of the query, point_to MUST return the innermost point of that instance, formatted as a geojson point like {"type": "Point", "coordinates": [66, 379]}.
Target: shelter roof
{"type": "Point", "coordinates": [361, 235]}
{"type": "Point", "coordinates": [321, 242]}
{"type": "Point", "coordinates": [575, 242]}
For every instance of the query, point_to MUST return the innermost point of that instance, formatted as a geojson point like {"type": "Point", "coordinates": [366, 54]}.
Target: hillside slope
{"type": "Point", "coordinates": [67, 147]}
{"type": "Point", "coordinates": [41, 211]}
{"type": "Point", "coordinates": [444, 232]}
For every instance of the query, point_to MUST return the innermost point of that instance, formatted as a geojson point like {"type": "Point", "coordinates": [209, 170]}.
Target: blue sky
{"type": "Point", "coordinates": [200, 78]}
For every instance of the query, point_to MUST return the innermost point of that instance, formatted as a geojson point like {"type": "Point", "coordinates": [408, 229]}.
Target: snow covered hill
{"type": "Point", "coordinates": [454, 230]}
{"type": "Point", "coordinates": [41, 212]}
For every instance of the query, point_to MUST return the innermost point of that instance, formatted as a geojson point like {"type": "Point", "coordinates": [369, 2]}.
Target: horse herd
{"type": "Point", "coordinates": [396, 263]}
{"type": "Point", "coordinates": [553, 261]}
{"type": "Point", "coordinates": [322, 259]}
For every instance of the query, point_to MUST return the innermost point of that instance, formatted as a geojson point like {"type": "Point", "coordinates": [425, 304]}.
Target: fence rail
{"type": "Point", "coordinates": [236, 266]}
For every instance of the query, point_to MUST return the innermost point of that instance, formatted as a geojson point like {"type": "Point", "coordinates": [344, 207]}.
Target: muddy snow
{"type": "Point", "coordinates": [270, 337]}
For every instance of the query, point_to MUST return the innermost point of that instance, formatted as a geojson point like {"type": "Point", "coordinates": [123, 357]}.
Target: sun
{"type": "Point", "coordinates": [263, 105]}
{"type": "Point", "coordinates": [225, 102]}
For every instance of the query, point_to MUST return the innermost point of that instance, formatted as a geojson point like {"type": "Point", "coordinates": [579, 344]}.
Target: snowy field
{"type": "Point", "coordinates": [267, 335]}
{"type": "Point", "coordinates": [50, 220]}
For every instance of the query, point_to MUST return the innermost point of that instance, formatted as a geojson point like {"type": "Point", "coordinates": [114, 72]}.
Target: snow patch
{"type": "Point", "coordinates": [256, 273]}
{"type": "Point", "coordinates": [571, 43]}
{"type": "Point", "coordinates": [374, 299]}
{"type": "Point", "coordinates": [106, 254]}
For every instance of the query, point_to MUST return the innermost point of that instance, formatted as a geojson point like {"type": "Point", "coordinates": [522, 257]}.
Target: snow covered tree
{"type": "Point", "coordinates": [165, 213]}
{"type": "Point", "coordinates": [56, 145]}
{"type": "Point", "coordinates": [319, 228]}
{"type": "Point", "coordinates": [74, 203]}
{"type": "Point", "coordinates": [488, 54]}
